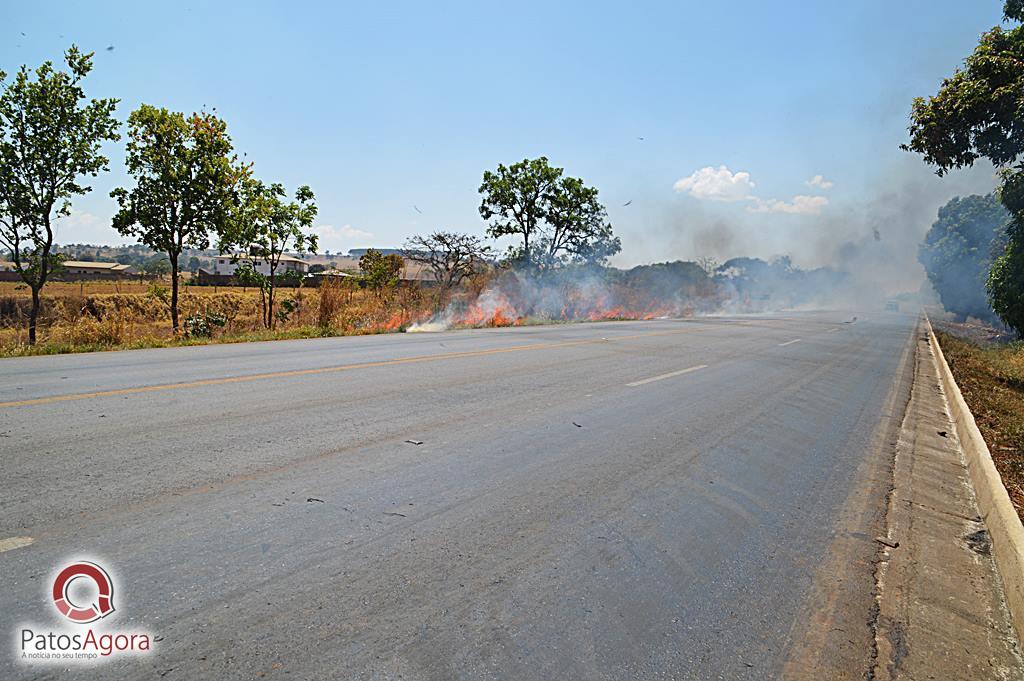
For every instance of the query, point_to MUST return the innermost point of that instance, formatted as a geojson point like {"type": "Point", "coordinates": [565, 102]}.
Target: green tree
{"type": "Point", "coordinates": [977, 114]}
{"type": "Point", "coordinates": [158, 266]}
{"type": "Point", "coordinates": [958, 249]}
{"type": "Point", "coordinates": [380, 272]}
{"type": "Point", "coordinates": [194, 264]}
{"type": "Point", "coordinates": [554, 218]}
{"type": "Point", "coordinates": [263, 226]}
{"type": "Point", "coordinates": [515, 201]}
{"type": "Point", "coordinates": [184, 174]}
{"type": "Point", "coordinates": [1006, 283]}
{"type": "Point", "coordinates": [579, 228]}
{"type": "Point", "coordinates": [49, 139]}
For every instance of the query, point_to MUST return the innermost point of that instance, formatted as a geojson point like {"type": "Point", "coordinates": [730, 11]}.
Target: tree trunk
{"type": "Point", "coordinates": [33, 317]}
{"type": "Point", "coordinates": [174, 293]}
{"type": "Point", "coordinates": [270, 302]}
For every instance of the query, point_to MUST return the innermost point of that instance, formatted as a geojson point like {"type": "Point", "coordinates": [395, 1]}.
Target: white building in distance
{"type": "Point", "coordinates": [227, 264]}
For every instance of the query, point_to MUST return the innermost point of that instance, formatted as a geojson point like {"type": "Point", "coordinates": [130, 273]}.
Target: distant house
{"type": "Point", "coordinates": [227, 264]}
{"type": "Point", "coordinates": [77, 269]}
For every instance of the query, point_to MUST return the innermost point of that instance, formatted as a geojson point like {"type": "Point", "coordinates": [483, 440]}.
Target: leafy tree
{"type": "Point", "coordinates": [556, 219]}
{"type": "Point", "coordinates": [194, 264]}
{"type": "Point", "coordinates": [977, 114]}
{"type": "Point", "coordinates": [1006, 284]}
{"type": "Point", "coordinates": [380, 271]}
{"type": "Point", "coordinates": [184, 174]}
{"type": "Point", "coordinates": [579, 227]}
{"type": "Point", "coordinates": [958, 249]}
{"type": "Point", "coordinates": [317, 268]}
{"type": "Point", "coordinates": [515, 200]}
{"type": "Point", "coordinates": [49, 139]}
{"type": "Point", "coordinates": [262, 227]}
{"type": "Point", "coordinates": [159, 266]}
{"type": "Point", "coordinates": [450, 256]}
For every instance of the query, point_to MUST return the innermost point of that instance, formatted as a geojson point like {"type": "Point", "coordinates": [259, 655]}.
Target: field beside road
{"type": "Point", "coordinates": [129, 314]}
{"type": "Point", "coordinates": [671, 498]}
{"type": "Point", "coordinates": [991, 379]}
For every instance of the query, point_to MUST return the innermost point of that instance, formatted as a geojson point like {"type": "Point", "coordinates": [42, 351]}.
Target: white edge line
{"type": "Point", "coordinates": [668, 375]}
{"type": "Point", "coordinates": [790, 342]}
{"type": "Point", "coordinates": [14, 543]}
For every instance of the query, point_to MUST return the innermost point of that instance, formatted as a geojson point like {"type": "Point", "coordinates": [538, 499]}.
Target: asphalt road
{"type": "Point", "coordinates": [665, 499]}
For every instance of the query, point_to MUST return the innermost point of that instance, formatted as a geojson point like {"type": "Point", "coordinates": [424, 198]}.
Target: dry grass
{"type": "Point", "coordinates": [330, 301]}
{"type": "Point", "coordinates": [992, 382]}
{"type": "Point", "coordinates": [121, 315]}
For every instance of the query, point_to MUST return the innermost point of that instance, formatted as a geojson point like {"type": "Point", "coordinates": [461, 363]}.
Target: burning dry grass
{"type": "Point", "coordinates": [77, 318]}
{"type": "Point", "coordinates": [992, 382]}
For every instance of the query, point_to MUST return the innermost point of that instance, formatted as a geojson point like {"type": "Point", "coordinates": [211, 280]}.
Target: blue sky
{"type": "Point", "coordinates": [380, 107]}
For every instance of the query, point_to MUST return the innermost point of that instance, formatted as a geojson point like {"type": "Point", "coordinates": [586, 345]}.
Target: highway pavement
{"type": "Point", "coordinates": [665, 499]}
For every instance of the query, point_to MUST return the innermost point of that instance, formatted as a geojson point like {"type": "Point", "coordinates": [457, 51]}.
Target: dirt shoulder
{"type": "Point", "coordinates": [992, 382]}
{"type": "Point", "coordinates": [942, 611]}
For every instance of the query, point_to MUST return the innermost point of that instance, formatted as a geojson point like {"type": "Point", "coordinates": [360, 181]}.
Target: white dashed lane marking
{"type": "Point", "coordinates": [14, 543]}
{"type": "Point", "coordinates": [671, 374]}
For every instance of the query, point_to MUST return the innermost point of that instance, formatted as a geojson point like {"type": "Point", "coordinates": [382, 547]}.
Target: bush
{"type": "Point", "coordinates": [202, 325]}
{"type": "Point", "coordinates": [285, 309]}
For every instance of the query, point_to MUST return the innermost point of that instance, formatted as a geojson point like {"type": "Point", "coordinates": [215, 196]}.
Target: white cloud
{"type": "Point", "coordinates": [340, 238]}
{"type": "Point", "coordinates": [721, 184]}
{"type": "Point", "coordinates": [81, 227]}
{"type": "Point", "coordinates": [800, 205]}
{"type": "Point", "coordinates": [717, 184]}
{"type": "Point", "coordinates": [819, 182]}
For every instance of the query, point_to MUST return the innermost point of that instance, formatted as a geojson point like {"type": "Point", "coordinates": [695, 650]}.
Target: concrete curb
{"type": "Point", "coordinates": [1001, 518]}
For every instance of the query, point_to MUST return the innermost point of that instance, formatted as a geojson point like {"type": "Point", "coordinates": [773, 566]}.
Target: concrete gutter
{"type": "Point", "coordinates": [1001, 518]}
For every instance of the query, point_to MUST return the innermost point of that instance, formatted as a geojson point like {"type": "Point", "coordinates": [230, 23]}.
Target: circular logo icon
{"type": "Point", "coordinates": [84, 613]}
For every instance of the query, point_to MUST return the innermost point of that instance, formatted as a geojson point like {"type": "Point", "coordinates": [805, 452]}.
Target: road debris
{"type": "Point", "coordinates": [942, 433]}
{"type": "Point", "coordinates": [887, 542]}
{"type": "Point", "coordinates": [576, 424]}
{"type": "Point", "coordinates": [400, 515]}
{"type": "Point", "coordinates": [415, 442]}
{"type": "Point", "coordinates": [979, 542]}
{"type": "Point", "coordinates": [312, 499]}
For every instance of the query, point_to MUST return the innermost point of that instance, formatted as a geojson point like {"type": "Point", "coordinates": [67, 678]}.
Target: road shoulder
{"type": "Point", "coordinates": [941, 608]}
{"type": "Point", "coordinates": [835, 638]}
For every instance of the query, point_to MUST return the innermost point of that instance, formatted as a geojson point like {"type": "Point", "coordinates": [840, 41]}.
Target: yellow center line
{"type": "Point", "coordinates": [326, 370]}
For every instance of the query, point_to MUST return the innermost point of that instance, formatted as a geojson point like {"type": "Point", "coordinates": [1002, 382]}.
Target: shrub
{"type": "Point", "coordinates": [202, 325]}
{"type": "Point", "coordinates": [285, 309]}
